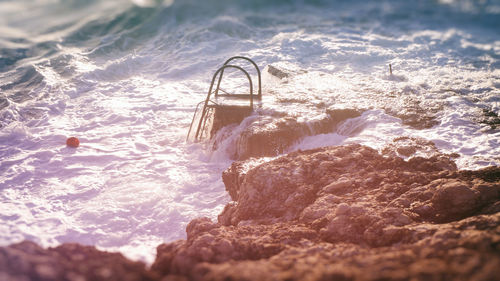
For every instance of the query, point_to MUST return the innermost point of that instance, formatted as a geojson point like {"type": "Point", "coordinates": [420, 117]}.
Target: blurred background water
{"type": "Point", "coordinates": [124, 77]}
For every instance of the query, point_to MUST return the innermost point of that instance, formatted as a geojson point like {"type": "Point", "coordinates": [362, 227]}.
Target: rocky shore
{"type": "Point", "coordinates": [334, 213]}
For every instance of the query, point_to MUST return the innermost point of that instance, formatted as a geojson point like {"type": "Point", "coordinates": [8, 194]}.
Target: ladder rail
{"type": "Point", "coordinates": [205, 121]}
{"type": "Point", "coordinates": [259, 96]}
{"type": "Point", "coordinates": [219, 71]}
{"type": "Point", "coordinates": [192, 121]}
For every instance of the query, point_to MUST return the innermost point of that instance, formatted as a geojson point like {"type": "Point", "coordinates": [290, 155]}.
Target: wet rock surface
{"type": "Point", "coordinates": [413, 112]}
{"type": "Point", "coordinates": [228, 115]}
{"type": "Point", "coordinates": [270, 136]}
{"type": "Point", "coordinates": [283, 70]}
{"type": "Point", "coordinates": [335, 213]}
{"type": "Point", "coordinates": [277, 72]}
{"type": "Point", "coordinates": [490, 118]}
{"type": "Point", "coordinates": [413, 146]}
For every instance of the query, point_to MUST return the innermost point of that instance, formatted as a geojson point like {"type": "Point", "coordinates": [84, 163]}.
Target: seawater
{"type": "Point", "coordinates": [125, 76]}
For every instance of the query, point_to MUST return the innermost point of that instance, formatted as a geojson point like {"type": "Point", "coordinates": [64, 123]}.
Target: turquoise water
{"type": "Point", "coordinates": [125, 76]}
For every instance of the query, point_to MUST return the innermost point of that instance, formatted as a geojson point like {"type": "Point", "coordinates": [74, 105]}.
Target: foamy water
{"type": "Point", "coordinates": [124, 77]}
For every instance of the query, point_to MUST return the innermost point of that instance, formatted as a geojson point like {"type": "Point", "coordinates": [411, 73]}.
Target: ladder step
{"type": "Point", "coordinates": [237, 96]}
{"type": "Point", "coordinates": [228, 107]}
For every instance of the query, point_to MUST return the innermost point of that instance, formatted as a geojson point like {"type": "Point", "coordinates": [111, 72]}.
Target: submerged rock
{"type": "Point", "coordinates": [490, 118]}
{"type": "Point", "coordinates": [411, 146]}
{"type": "Point", "coordinates": [414, 112]}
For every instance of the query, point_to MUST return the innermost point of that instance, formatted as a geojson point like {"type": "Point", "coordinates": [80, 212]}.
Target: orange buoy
{"type": "Point", "coordinates": [72, 142]}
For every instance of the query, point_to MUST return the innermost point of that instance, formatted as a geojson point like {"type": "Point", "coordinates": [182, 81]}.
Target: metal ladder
{"type": "Point", "coordinates": [210, 105]}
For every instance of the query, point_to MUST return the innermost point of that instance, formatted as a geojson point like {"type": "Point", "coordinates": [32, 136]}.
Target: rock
{"type": "Point", "coordinates": [227, 115]}
{"type": "Point", "coordinates": [454, 199]}
{"type": "Point", "coordinates": [271, 136]}
{"type": "Point", "coordinates": [74, 262]}
{"type": "Point", "coordinates": [450, 252]}
{"type": "Point", "coordinates": [268, 136]}
{"type": "Point", "coordinates": [278, 72]}
{"type": "Point", "coordinates": [410, 146]}
{"type": "Point", "coordinates": [348, 213]}
{"type": "Point", "coordinates": [284, 70]}
{"type": "Point", "coordinates": [489, 117]}
{"type": "Point", "coordinates": [234, 175]}
{"type": "Point", "coordinates": [488, 174]}
{"type": "Point", "coordinates": [225, 244]}
{"type": "Point", "coordinates": [285, 187]}
{"type": "Point", "coordinates": [336, 116]}
{"type": "Point", "coordinates": [414, 112]}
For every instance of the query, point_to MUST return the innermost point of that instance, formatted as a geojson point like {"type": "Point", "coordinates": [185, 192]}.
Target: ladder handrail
{"type": "Point", "coordinates": [192, 121]}
{"type": "Point", "coordinates": [220, 70]}
{"type": "Point", "coordinates": [259, 96]}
